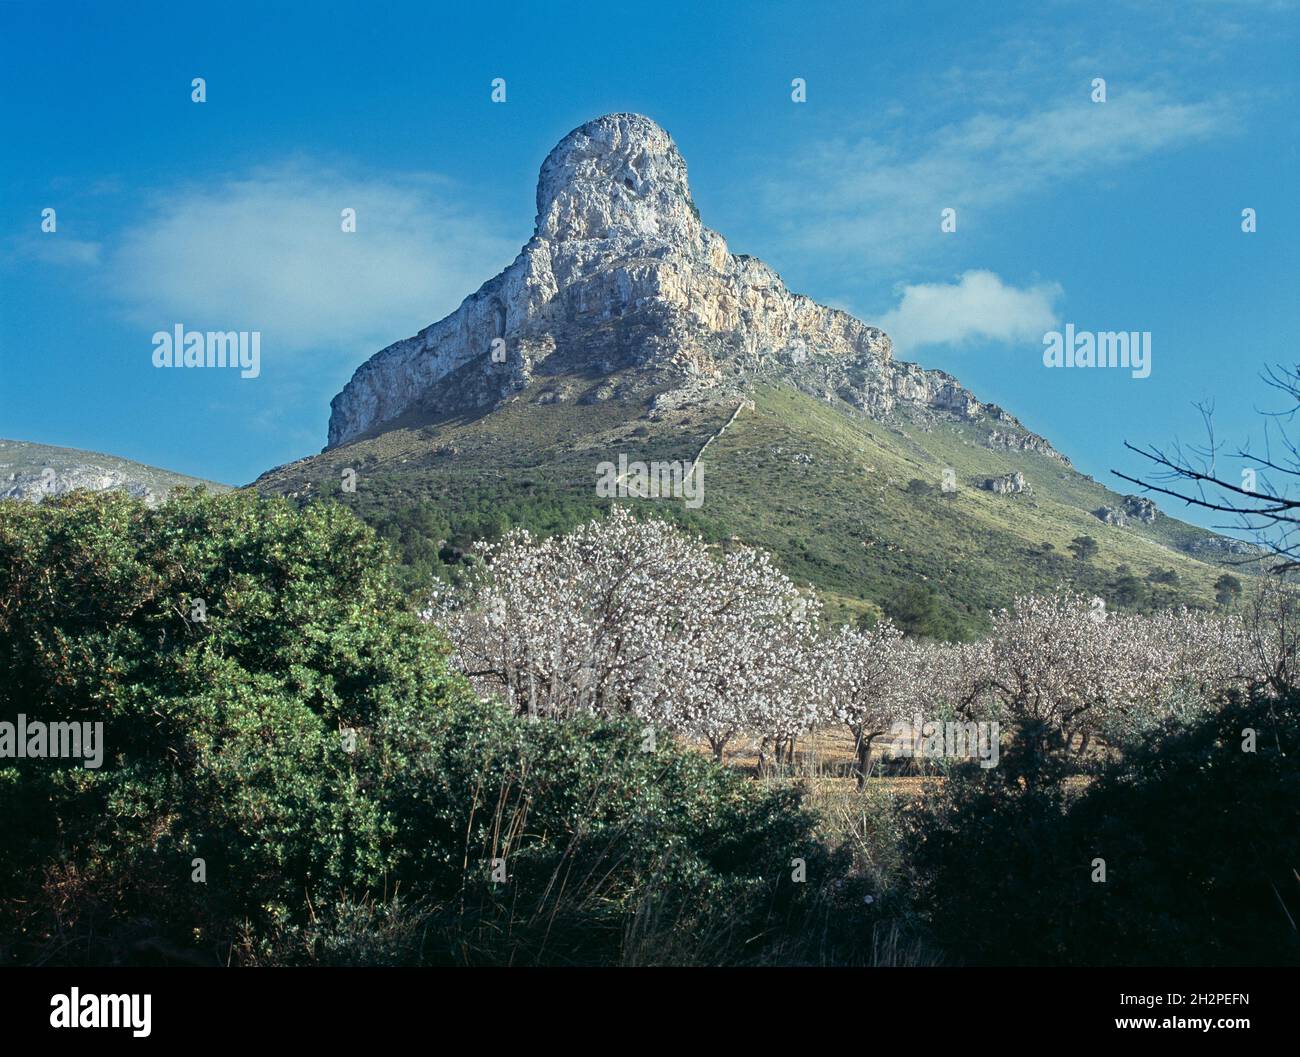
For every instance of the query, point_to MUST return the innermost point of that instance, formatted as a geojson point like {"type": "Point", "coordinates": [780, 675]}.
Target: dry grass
{"type": "Point", "coordinates": [824, 755]}
{"type": "Point", "coordinates": [823, 764]}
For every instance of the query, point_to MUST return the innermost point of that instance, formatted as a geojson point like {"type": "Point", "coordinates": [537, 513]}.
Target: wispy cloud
{"type": "Point", "coordinates": [55, 248]}
{"type": "Point", "coordinates": [978, 307]}
{"type": "Point", "coordinates": [265, 251]}
{"type": "Point", "coordinates": [878, 200]}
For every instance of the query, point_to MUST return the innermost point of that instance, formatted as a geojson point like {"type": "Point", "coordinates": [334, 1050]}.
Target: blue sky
{"type": "Point", "coordinates": [1123, 215]}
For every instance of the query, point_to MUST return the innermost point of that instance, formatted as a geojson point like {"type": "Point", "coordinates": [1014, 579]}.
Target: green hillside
{"type": "Point", "coordinates": [850, 505]}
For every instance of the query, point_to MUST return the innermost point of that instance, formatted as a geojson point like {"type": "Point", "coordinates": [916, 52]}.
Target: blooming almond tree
{"type": "Point", "coordinates": [576, 622]}
{"type": "Point", "coordinates": [863, 684]}
{"type": "Point", "coordinates": [1272, 633]}
{"type": "Point", "coordinates": [746, 629]}
{"type": "Point", "coordinates": [1047, 668]}
{"type": "Point", "coordinates": [1061, 667]}
{"type": "Point", "coordinates": [1166, 664]}
{"type": "Point", "coordinates": [627, 616]}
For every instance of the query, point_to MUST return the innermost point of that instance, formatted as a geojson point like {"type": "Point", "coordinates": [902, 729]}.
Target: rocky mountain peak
{"type": "Point", "coordinates": [620, 281]}
{"type": "Point", "coordinates": [617, 176]}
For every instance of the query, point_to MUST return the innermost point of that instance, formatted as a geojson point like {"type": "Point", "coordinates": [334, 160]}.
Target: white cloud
{"type": "Point", "coordinates": [878, 201]}
{"type": "Point", "coordinates": [265, 252]}
{"type": "Point", "coordinates": [978, 307]}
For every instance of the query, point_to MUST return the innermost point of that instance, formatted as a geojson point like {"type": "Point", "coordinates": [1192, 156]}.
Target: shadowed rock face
{"type": "Point", "coordinates": [621, 274]}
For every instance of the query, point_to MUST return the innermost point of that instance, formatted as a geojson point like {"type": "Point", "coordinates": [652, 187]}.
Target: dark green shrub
{"type": "Point", "coordinates": [1202, 844]}
{"type": "Point", "coordinates": [918, 610]}
{"type": "Point", "coordinates": [1200, 839]}
{"type": "Point", "coordinates": [1083, 547]}
{"type": "Point", "coordinates": [223, 734]}
{"type": "Point", "coordinates": [1227, 589]}
{"type": "Point", "coordinates": [1127, 591]}
{"type": "Point", "coordinates": [614, 849]}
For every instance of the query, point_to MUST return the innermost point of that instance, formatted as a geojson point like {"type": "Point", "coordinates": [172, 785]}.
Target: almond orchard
{"type": "Point", "coordinates": [628, 617]}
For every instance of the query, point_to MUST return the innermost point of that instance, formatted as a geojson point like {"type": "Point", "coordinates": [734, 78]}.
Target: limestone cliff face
{"type": "Point", "coordinates": [620, 273]}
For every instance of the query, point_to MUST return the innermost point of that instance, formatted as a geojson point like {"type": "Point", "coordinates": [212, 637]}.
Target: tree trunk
{"type": "Point", "coordinates": [864, 759]}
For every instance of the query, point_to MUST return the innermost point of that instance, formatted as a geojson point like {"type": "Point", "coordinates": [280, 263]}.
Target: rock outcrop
{"type": "Point", "coordinates": [620, 274]}
{"type": "Point", "coordinates": [1135, 508]}
{"type": "Point", "coordinates": [1139, 508]}
{"type": "Point", "coordinates": [1007, 484]}
{"type": "Point", "coordinates": [1224, 546]}
{"type": "Point", "coordinates": [34, 487]}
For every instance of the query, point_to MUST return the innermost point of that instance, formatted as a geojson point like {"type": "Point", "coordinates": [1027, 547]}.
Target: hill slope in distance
{"type": "Point", "coordinates": [32, 471]}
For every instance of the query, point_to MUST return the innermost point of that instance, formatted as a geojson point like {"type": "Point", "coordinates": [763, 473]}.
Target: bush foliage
{"type": "Point", "coordinates": [1200, 841]}
{"type": "Point", "coordinates": [347, 793]}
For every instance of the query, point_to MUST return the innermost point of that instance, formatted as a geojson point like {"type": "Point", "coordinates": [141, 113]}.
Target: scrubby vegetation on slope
{"type": "Point", "coordinates": [853, 506]}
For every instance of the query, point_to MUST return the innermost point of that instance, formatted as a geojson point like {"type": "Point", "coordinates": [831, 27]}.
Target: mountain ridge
{"type": "Point", "coordinates": [31, 471]}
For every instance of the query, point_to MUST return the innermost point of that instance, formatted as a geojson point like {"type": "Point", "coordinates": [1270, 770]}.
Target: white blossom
{"type": "Point", "coordinates": [636, 617]}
